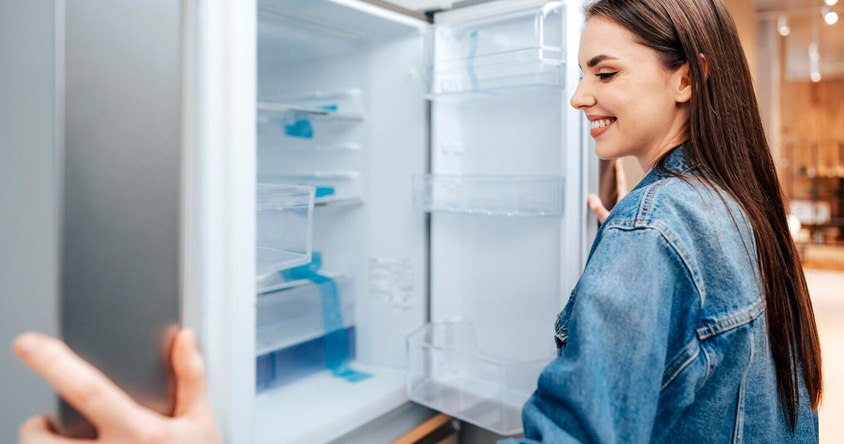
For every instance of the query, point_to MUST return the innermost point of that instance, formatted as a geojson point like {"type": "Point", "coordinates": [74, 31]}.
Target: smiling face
{"type": "Point", "coordinates": [636, 107]}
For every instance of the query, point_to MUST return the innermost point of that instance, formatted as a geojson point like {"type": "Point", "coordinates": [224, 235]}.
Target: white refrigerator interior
{"type": "Point", "coordinates": [419, 214]}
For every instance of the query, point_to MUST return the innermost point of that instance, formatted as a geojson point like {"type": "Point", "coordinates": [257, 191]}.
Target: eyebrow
{"type": "Point", "coordinates": [598, 59]}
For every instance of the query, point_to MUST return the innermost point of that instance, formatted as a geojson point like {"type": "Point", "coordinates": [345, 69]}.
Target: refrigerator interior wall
{"type": "Point", "coordinates": [340, 107]}
{"type": "Point", "coordinates": [498, 123]}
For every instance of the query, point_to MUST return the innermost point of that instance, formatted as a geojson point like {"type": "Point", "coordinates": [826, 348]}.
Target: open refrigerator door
{"type": "Point", "coordinates": [506, 192]}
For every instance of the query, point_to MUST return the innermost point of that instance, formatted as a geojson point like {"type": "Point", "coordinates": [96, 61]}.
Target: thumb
{"type": "Point", "coordinates": [189, 368]}
{"type": "Point", "coordinates": [597, 207]}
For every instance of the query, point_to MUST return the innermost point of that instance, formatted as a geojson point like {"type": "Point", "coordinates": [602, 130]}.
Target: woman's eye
{"type": "Point", "coordinates": [606, 76]}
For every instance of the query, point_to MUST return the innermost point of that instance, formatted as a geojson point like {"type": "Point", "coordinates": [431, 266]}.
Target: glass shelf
{"type": "Point", "coordinates": [310, 111]}
{"type": "Point", "coordinates": [284, 225]}
{"type": "Point", "coordinates": [318, 106]}
{"type": "Point", "coordinates": [332, 188]}
{"type": "Point", "coordinates": [527, 196]}
{"type": "Point", "coordinates": [515, 52]}
{"type": "Point", "coordinates": [446, 372]}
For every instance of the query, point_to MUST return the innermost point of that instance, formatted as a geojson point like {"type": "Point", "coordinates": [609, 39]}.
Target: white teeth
{"type": "Point", "coordinates": [601, 123]}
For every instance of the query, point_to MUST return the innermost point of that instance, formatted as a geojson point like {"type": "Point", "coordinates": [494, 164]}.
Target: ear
{"type": "Point", "coordinates": [682, 81]}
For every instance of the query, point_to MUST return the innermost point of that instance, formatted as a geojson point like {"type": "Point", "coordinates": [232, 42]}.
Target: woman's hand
{"type": "Point", "coordinates": [594, 201]}
{"type": "Point", "coordinates": [116, 416]}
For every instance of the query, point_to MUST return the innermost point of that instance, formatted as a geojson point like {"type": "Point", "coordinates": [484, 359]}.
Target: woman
{"type": "Point", "coordinates": [691, 322]}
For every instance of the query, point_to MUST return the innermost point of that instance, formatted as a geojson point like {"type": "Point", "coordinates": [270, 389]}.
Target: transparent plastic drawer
{"type": "Point", "coordinates": [446, 372]}
{"type": "Point", "coordinates": [296, 314]}
{"type": "Point", "coordinates": [514, 51]}
{"type": "Point", "coordinates": [284, 224]}
{"type": "Point", "coordinates": [538, 196]}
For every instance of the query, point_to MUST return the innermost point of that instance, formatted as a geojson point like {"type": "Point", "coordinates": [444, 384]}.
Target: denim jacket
{"type": "Point", "coordinates": [663, 339]}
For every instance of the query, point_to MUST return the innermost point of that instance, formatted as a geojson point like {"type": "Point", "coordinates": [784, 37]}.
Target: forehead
{"type": "Point", "coordinates": [605, 37]}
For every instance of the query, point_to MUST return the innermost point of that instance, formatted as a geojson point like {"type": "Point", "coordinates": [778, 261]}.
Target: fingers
{"type": "Point", "coordinates": [189, 368]}
{"type": "Point", "coordinates": [597, 207]}
{"type": "Point", "coordinates": [78, 382]}
{"type": "Point", "coordinates": [36, 430]}
{"type": "Point", "coordinates": [620, 180]}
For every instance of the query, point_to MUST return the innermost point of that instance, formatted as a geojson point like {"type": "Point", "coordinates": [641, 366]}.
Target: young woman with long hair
{"type": "Point", "coordinates": [692, 321]}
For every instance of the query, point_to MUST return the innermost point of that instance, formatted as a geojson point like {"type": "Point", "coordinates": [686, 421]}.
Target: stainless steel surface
{"type": "Point", "coordinates": [120, 236]}
{"type": "Point", "coordinates": [28, 259]}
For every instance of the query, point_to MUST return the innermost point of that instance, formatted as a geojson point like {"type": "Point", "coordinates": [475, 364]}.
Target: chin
{"type": "Point", "coordinates": [607, 152]}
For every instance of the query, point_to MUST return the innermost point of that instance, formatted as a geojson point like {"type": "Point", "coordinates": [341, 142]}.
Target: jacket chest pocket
{"type": "Point", "coordinates": [561, 326]}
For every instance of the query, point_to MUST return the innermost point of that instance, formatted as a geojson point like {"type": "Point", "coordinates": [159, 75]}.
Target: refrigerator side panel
{"type": "Point", "coordinates": [121, 225]}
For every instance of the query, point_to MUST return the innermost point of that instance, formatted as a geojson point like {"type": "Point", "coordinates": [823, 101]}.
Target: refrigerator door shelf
{"type": "Point", "coordinates": [511, 72]}
{"type": "Point", "coordinates": [447, 372]}
{"type": "Point", "coordinates": [294, 315]}
{"type": "Point", "coordinates": [526, 196]}
{"type": "Point", "coordinates": [284, 227]}
{"type": "Point", "coordinates": [508, 52]}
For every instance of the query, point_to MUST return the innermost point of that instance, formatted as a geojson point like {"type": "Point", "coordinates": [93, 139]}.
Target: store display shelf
{"type": "Point", "coordinates": [447, 373]}
{"type": "Point", "coordinates": [525, 196]}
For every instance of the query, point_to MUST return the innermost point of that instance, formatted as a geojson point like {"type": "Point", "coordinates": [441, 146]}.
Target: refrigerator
{"type": "Point", "coordinates": [378, 209]}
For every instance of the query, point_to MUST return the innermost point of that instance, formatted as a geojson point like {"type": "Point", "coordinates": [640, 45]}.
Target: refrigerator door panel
{"type": "Point", "coordinates": [121, 215]}
{"type": "Point", "coordinates": [500, 274]}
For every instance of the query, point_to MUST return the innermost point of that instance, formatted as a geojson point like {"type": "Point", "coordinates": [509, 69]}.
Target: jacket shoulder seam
{"type": "Point", "coordinates": [676, 245]}
{"type": "Point", "coordinates": [731, 322]}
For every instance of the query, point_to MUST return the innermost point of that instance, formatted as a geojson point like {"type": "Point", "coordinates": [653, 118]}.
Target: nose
{"type": "Point", "coordinates": [582, 98]}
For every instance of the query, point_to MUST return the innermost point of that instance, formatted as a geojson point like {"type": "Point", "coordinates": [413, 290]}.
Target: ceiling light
{"type": "Point", "coordinates": [830, 2]}
{"type": "Point", "coordinates": [782, 26]}
{"type": "Point", "coordinates": [830, 17]}
{"type": "Point", "coordinates": [814, 62]}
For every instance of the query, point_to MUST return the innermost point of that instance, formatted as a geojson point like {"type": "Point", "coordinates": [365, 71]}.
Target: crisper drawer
{"type": "Point", "coordinates": [446, 372]}
{"type": "Point", "coordinates": [298, 314]}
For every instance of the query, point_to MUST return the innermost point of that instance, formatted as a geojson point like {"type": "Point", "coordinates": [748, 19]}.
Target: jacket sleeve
{"type": "Point", "coordinates": [605, 386]}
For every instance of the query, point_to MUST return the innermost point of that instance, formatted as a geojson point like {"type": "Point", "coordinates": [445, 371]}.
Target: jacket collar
{"type": "Point", "coordinates": [674, 163]}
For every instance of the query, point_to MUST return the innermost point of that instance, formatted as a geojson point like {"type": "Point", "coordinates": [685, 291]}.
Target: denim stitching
{"type": "Point", "coordinates": [647, 200]}
{"type": "Point", "coordinates": [683, 360]}
{"type": "Point", "coordinates": [738, 428]}
{"type": "Point", "coordinates": [731, 322]}
{"type": "Point", "coordinates": [677, 245]}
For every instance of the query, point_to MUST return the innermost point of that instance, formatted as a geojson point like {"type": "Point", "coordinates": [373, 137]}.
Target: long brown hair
{"type": "Point", "coordinates": [727, 142]}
